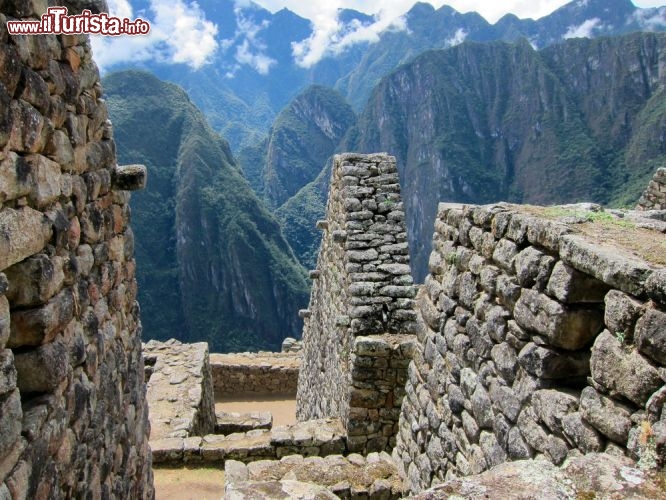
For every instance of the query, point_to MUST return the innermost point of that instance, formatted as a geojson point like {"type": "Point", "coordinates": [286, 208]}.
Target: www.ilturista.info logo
{"type": "Point", "coordinates": [57, 22]}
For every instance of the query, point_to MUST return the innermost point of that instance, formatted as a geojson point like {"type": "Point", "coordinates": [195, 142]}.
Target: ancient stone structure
{"type": "Point", "coordinates": [356, 338]}
{"type": "Point", "coordinates": [542, 334]}
{"type": "Point", "coordinates": [73, 415]}
{"type": "Point", "coordinates": [180, 389]}
{"type": "Point", "coordinates": [334, 476]}
{"type": "Point", "coordinates": [654, 197]}
{"type": "Point", "coordinates": [255, 372]}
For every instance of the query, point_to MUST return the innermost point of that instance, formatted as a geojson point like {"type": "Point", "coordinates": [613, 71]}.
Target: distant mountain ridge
{"type": "Point", "coordinates": [243, 107]}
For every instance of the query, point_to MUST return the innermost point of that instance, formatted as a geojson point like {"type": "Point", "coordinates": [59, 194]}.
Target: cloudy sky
{"type": "Point", "coordinates": [181, 33]}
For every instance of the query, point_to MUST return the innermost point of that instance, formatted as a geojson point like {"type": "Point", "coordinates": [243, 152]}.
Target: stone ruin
{"type": "Point", "coordinates": [73, 413]}
{"type": "Point", "coordinates": [357, 334]}
{"type": "Point", "coordinates": [654, 196]}
{"type": "Point", "coordinates": [535, 351]}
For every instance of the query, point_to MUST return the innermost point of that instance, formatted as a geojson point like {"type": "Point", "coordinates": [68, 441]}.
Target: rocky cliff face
{"type": "Point", "coordinates": [303, 138]}
{"type": "Point", "coordinates": [215, 265]}
{"type": "Point", "coordinates": [488, 122]}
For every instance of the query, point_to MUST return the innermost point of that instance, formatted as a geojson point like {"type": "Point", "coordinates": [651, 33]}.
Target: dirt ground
{"type": "Point", "coordinates": [282, 406]}
{"type": "Point", "coordinates": [188, 483]}
{"type": "Point", "coordinates": [207, 483]}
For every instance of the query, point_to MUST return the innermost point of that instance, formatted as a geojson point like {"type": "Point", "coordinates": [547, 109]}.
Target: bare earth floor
{"type": "Point", "coordinates": [188, 483]}
{"type": "Point", "coordinates": [207, 483]}
{"type": "Point", "coordinates": [282, 406]}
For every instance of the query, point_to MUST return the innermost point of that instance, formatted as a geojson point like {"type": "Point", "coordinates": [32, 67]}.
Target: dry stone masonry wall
{"type": "Point", "coordinates": [73, 416]}
{"type": "Point", "coordinates": [356, 336]}
{"type": "Point", "coordinates": [654, 197]}
{"type": "Point", "coordinates": [537, 338]}
{"type": "Point", "coordinates": [250, 372]}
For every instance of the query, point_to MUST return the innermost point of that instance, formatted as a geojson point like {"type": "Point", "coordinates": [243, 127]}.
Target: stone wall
{"type": "Point", "coordinates": [260, 372]}
{"type": "Point", "coordinates": [73, 417]}
{"type": "Point", "coordinates": [180, 389]}
{"type": "Point", "coordinates": [541, 334]}
{"type": "Point", "coordinates": [654, 197]}
{"type": "Point", "coordinates": [361, 306]}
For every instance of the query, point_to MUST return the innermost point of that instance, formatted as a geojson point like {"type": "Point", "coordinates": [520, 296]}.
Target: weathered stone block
{"type": "Point", "coordinates": [10, 421]}
{"type": "Point", "coordinates": [533, 268]}
{"type": "Point", "coordinates": [620, 313]}
{"type": "Point", "coordinates": [4, 321]}
{"type": "Point", "coordinates": [31, 327]}
{"type": "Point", "coordinates": [570, 286]}
{"type": "Point", "coordinates": [621, 371]}
{"type": "Point", "coordinates": [605, 263]}
{"type": "Point", "coordinates": [23, 232]}
{"type": "Point", "coordinates": [563, 327]}
{"type": "Point", "coordinates": [581, 434]}
{"type": "Point", "coordinates": [14, 177]}
{"type": "Point", "coordinates": [7, 372]}
{"type": "Point", "coordinates": [548, 363]}
{"type": "Point", "coordinates": [43, 368]}
{"type": "Point", "coordinates": [34, 280]}
{"type": "Point", "coordinates": [609, 417]}
{"type": "Point", "coordinates": [551, 406]}
{"type": "Point", "coordinates": [651, 335]}
{"type": "Point", "coordinates": [655, 286]}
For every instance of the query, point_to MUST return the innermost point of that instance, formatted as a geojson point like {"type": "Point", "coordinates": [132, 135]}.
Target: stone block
{"type": "Point", "coordinates": [622, 371]}
{"type": "Point", "coordinates": [14, 177]}
{"type": "Point", "coordinates": [34, 280]}
{"type": "Point", "coordinates": [651, 335]}
{"type": "Point", "coordinates": [609, 417]}
{"type": "Point", "coordinates": [563, 327]}
{"type": "Point", "coordinates": [7, 372]}
{"type": "Point", "coordinates": [620, 313]}
{"type": "Point", "coordinates": [570, 286]}
{"type": "Point", "coordinates": [42, 369]}
{"type": "Point", "coordinates": [10, 421]}
{"type": "Point", "coordinates": [551, 406]}
{"type": "Point", "coordinates": [607, 264]}
{"type": "Point", "coordinates": [546, 363]}
{"type": "Point", "coordinates": [533, 268]}
{"type": "Point", "coordinates": [655, 286]}
{"type": "Point", "coordinates": [31, 327]}
{"type": "Point", "coordinates": [23, 232]}
{"type": "Point", "coordinates": [4, 321]}
{"type": "Point", "coordinates": [581, 434]}
{"type": "Point", "coordinates": [167, 450]}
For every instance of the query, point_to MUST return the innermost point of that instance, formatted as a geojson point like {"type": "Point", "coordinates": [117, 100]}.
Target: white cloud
{"type": "Point", "coordinates": [260, 62]}
{"type": "Point", "coordinates": [651, 19]}
{"type": "Point", "coordinates": [584, 30]}
{"type": "Point", "coordinates": [457, 38]}
{"type": "Point", "coordinates": [179, 33]}
{"type": "Point", "coordinates": [331, 36]}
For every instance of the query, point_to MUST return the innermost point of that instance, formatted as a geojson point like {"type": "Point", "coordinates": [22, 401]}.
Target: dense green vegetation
{"type": "Point", "coordinates": [212, 262]}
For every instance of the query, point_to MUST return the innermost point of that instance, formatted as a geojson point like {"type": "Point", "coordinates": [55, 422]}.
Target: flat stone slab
{"type": "Point", "coordinates": [230, 423]}
{"type": "Point", "coordinates": [242, 446]}
{"type": "Point", "coordinates": [354, 476]}
{"type": "Point", "coordinates": [180, 390]}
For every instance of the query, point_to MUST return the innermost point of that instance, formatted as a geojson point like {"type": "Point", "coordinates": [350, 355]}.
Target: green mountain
{"type": "Point", "coordinates": [286, 168]}
{"type": "Point", "coordinates": [302, 138]}
{"type": "Point", "coordinates": [213, 264]}
{"type": "Point", "coordinates": [478, 123]}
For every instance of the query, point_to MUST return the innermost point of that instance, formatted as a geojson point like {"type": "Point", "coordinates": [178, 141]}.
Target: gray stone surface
{"type": "Point", "coordinates": [73, 415]}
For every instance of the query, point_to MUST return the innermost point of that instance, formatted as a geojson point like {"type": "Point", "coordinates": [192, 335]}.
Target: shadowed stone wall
{"type": "Point", "coordinates": [542, 333]}
{"type": "Point", "coordinates": [654, 196]}
{"type": "Point", "coordinates": [356, 340]}
{"type": "Point", "coordinates": [73, 415]}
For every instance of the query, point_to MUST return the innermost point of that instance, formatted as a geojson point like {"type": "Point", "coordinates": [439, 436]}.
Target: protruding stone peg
{"type": "Point", "coordinates": [130, 177]}
{"type": "Point", "coordinates": [304, 313]}
{"type": "Point", "coordinates": [314, 274]}
{"type": "Point", "coordinates": [322, 224]}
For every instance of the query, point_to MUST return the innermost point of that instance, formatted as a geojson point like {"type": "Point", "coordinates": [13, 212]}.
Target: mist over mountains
{"type": "Point", "coordinates": [520, 110]}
